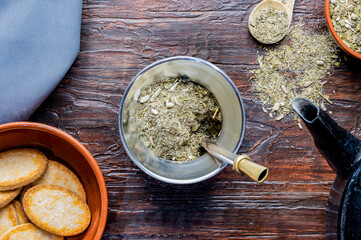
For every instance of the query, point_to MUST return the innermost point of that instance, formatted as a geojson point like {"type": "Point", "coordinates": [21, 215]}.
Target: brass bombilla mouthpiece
{"type": "Point", "coordinates": [241, 163]}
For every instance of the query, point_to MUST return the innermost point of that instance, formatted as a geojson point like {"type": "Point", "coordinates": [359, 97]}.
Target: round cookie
{"type": "Point", "coordinates": [8, 196]}
{"type": "Point", "coordinates": [28, 231]}
{"type": "Point", "coordinates": [56, 210]}
{"type": "Point", "coordinates": [8, 218]}
{"type": "Point", "coordinates": [59, 175]}
{"type": "Point", "coordinates": [19, 167]}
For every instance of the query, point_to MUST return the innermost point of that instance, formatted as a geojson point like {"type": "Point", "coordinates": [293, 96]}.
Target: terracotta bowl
{"type": "Point", "coordinates": [343, 46]}
{"type": "Point", "coordinates": [62, 147]}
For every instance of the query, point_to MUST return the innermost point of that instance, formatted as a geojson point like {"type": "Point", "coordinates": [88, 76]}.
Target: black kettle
{"type": "Point", "coordinates": [343, 153]}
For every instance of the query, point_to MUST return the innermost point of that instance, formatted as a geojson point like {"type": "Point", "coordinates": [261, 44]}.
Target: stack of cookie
{"type": "Point", "coordinates": [52, 203]}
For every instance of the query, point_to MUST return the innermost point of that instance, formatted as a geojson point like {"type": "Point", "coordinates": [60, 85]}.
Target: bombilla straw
{"type": "Point", "coordinates": [241, 163]}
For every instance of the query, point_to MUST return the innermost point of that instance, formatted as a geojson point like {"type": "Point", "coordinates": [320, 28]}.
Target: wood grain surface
{"type": "Point", "coordinates": [118, 39]}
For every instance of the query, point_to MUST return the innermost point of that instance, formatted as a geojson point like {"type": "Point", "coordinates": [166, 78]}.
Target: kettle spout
{"type": "Point", "coordinates": [339, 147]}
{"type": "Point", "coordinates": [307, 110]}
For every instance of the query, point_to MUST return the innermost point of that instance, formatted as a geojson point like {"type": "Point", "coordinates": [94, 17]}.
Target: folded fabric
{"type": "Point", "coordinates": [39, 41]}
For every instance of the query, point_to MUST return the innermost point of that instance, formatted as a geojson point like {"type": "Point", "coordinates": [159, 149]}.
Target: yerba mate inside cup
{"type": "Point", "coordinates": [202, 73]}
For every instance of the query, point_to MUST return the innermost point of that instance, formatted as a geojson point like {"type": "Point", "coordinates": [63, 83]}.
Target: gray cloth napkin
{"type": "Point", "coordinates": [39, 41]}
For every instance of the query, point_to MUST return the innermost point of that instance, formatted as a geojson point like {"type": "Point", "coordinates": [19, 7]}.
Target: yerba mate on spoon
{"type": "Point", "coordinates": [270, 20]}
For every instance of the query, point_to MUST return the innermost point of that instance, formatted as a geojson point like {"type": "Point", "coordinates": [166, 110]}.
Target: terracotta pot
{"type": "Point", "coordinates": [343, 46]}
{"type": "Point", "coordinates": [62, 147]}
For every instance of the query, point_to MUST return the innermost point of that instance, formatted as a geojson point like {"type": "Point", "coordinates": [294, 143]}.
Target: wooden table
{"type": "Point", "coordinates": [118, 39]}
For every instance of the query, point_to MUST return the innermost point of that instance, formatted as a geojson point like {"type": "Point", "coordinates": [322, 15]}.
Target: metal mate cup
{"type": "Point", "coordinates": [200, 72]}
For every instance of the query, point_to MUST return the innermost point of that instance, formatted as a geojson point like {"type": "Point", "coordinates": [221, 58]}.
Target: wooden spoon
{"type": "Point", "coordinates": [283, 5]}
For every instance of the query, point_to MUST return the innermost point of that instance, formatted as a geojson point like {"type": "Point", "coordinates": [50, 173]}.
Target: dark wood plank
{"type": "Point", "coordinates": [118, 39]}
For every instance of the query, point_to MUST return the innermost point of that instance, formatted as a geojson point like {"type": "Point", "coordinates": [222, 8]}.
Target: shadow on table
{"type": "Point", "coordinates": [180, 206]}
